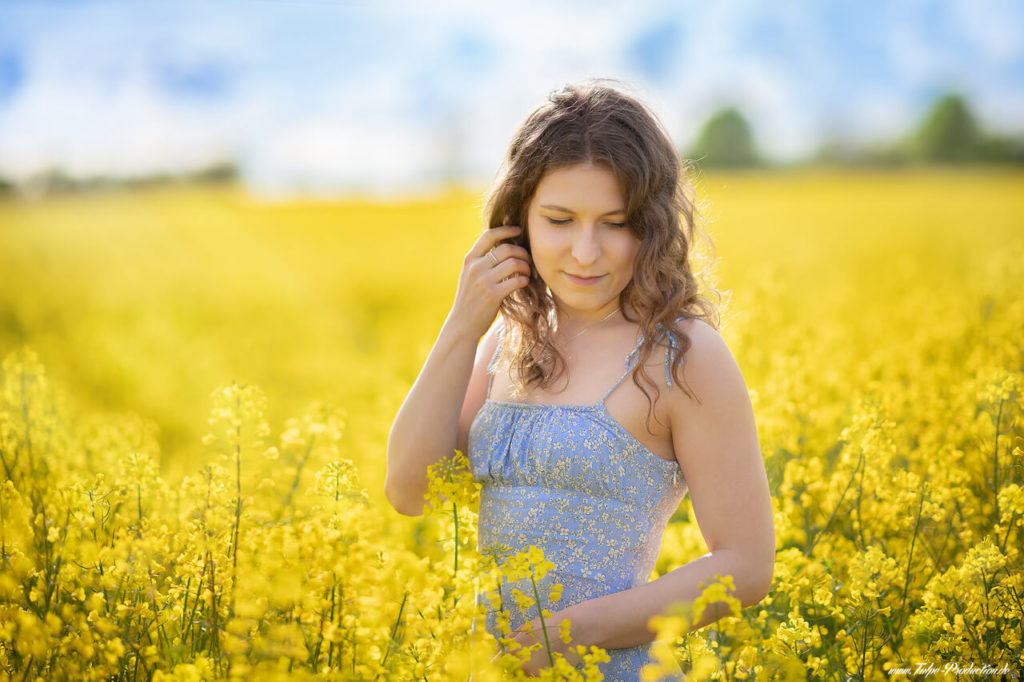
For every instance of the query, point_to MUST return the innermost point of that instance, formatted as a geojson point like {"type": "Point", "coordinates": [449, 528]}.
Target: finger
{"type": "Point", "coordinates": [509, 267]}
{"type": "Point", "coordinates": [504, 252]}
{"type": "Point", "coordinates": [492, 236]}
{"type": "Point", "coordinates": [510, 284]}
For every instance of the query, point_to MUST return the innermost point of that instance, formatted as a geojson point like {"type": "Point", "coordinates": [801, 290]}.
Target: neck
{"type": "Point", "coordinates": [572, 317]}
{"type": "Point", "coordinates": [576, 322]}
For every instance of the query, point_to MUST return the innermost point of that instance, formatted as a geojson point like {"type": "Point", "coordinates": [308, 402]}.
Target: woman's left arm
{"type": "Point", "coordinates": [715, 441]}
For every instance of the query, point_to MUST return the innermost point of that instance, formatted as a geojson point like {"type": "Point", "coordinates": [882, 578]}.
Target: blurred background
{"type": "Point", "coordinates": [281, 193]}
{"type": "Point", "coordinates": [331, 97]}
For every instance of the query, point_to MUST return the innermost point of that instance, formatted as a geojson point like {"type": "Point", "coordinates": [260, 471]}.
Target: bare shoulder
{"type": "Point", "coordinates": [708, 350]}
{"type": "Point", "coordinates": [699, 331]}
{"type": "Point", "coordinates": [489, 343]}
{"type": "Point", "coordinates": [709, 368]}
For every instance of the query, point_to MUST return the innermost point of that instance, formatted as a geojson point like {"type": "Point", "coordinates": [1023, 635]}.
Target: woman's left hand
{"type": "Point", "coordinates": [530, 633]}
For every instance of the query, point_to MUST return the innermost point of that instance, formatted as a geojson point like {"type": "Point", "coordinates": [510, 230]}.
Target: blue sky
{"type": "Point", "coordinates": [321, 96]}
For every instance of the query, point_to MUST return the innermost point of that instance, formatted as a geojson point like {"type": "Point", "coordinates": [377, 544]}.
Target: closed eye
{"type": "Point", "coordinates": [566, 221]}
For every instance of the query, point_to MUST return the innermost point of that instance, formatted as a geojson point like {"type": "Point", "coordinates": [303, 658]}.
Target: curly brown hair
{"type": "Point", "coordinates": [594, 122]}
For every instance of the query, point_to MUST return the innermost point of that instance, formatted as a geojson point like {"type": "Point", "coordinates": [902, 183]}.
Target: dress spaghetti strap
{"type": "Point", "coordinates": [492, 366]}
{"type": "Point", "coordinates": [670, 352]}
{"type": "Point", "coordinates": [631, 360]}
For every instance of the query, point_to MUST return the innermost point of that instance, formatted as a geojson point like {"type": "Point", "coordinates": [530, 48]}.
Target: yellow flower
{"type": "Point", "coordinates": [523, 600]}
{"type": "Point", "coordinates": [555, 593]}
{"type": "Point", "coordinates": [450, 480]}
{"type": "Point", "coordinates": [564, 630]}
{"type": "Point", "coordinates": [717, 591]}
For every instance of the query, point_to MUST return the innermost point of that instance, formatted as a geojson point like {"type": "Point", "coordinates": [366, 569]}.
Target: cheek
{"type": "Point", "coordinates": [628, 253]}
{"type": "Point", "coordinates": [542, 245]}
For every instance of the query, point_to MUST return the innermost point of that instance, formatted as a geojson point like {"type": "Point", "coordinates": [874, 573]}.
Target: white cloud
{"type": "Point", "coordinates": [324, 95]}
{"type": "Point", "coordinates": [88, 129]}
{"type": "Point", "coordinates": [322, 155]}
{"type": "Point", "coordinates": [994, 28]}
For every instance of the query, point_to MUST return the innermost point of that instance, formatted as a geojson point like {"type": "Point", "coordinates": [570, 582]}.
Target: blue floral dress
{"type": "Point", "coordinates": [573, 481]}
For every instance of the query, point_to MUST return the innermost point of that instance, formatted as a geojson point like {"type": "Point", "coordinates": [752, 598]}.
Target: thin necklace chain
{"type": "Point", "coordinates": [593, 324]}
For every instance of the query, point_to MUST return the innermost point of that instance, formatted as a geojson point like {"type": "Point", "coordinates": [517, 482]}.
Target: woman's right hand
{"type": "Point", "coordinates": [490, 272]}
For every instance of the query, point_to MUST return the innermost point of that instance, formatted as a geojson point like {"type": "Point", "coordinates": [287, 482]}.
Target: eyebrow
{"type": "Point", "coordinates": [553, 207]}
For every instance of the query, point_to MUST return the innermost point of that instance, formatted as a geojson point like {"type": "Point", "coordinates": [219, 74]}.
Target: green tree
{"type": "Point", "coordinates": [725, 140]}
{"type": "Point", "coordinates": [949, 133]}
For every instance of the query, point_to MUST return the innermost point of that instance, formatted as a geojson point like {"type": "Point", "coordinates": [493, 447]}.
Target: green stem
{"type": "Point", "coordinates": [864, 649]}
{"type": "Point", "coordinates": [184, 606]}
{"type": "Point", "coordinates": [320, 639]}
{"type": "Point", "coordinates": [28, 668]}
{"type": "Point", "coordinates": [455, 516]}
{"type": "Point", "coordinates": [195, 606]}
{"type": "Point", "coordinates": [860, 497]}
{"type": "Point", "coordinates": [156, 611]}
{"type": "Point", "coordinates": [215, 643]}
{"type": "Point", "coordinates": [298, 473]}
{"type": "Point", "coordinates": [910, 554]}
{"type": "Point", "coordinates": [1006, 536]}
{"type": "Point", "coordinates": [238, 498]}
{"type": "Point", "coordinates": [8, 468]}
{"type": "Point", "coordinates": [995, 461]}
{"type": "Point", "coordinates": [3, 525]}
{"type": "Point", "coordinates": [968, 628]}
{"type": "Point", "coordinates": [540, 612]}
{"type": "Point", "coordinates": [394, 629]}
{"type": "Point", "coordinates": [832, 516]}
{"type": "Point", "coordinates": [1020, 607]}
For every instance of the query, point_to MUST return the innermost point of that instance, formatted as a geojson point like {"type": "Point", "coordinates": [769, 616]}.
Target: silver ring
{"type": "Point", "coordinates": [492, 257]}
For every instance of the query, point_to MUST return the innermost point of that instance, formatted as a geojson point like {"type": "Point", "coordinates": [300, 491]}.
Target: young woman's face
{"type": "Point", "coordinates": [579, 240]}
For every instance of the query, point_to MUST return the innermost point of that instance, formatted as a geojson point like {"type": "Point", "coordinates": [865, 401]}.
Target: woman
{"type": "Point", "coordinates": [587, 260]}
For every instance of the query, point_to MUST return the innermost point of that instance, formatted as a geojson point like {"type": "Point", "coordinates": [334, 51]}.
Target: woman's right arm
{"type": "Point", "coordinates": [427, 425]}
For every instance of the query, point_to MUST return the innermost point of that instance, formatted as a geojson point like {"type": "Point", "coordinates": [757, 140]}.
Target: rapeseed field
{"type": "Point", "coordinates": [197, 387]}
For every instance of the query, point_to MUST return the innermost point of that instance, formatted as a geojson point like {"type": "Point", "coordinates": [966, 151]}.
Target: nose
{"type": "Point", "coordinates": [586, 248]}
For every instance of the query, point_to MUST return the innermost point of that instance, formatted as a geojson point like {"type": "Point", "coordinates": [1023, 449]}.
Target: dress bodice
{"type": "Point", "coordinates": [574, 482]}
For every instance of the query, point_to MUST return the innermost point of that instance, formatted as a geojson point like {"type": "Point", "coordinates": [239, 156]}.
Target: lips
{"type": "Point", "coordinates": [583, 281]}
